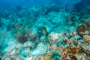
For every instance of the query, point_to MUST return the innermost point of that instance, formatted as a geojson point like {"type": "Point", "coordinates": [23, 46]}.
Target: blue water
{"type": "Point", "coordinates": [11, 3]}
{"type": "Point", "coordinates": [44, 30]}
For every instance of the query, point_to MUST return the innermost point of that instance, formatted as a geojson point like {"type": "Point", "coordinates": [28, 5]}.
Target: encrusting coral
{"type": "Point", "coordinates": [47, 57]}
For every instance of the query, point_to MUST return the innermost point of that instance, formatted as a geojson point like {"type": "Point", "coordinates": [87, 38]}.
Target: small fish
{"type": "Point", "coordinates": [44, 29]}
{"type": "Point", "coordinates": [40, 9]}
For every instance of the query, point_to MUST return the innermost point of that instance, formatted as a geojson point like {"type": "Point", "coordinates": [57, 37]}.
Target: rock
{"type": "Point", "coordinates": [19, 59]}
{"type": "Point", "coordinates": [77, 37]}
{"type": "Point", "coordinates": [86, 37]}
{"type": "Point", "coordinates": [65, 40]}
{"type": "Point", "coordinates": [53, 37]}
{"type": "Point", "coordinates": [40, 57]}
{"type": "Point", "coordinates": [3, 58]}
{"type": "Point", "coordinates": [47, 57]}
{"type": "Point", "coordinates": [81, 30]}
{"type": "Point", "coordinates": [29, 58]}
{"type": "Point", "coordinates": [8, 59]}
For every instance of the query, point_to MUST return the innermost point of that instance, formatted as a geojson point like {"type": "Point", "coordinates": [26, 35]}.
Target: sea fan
{"type": "Point", "coordinates": [22, 34]}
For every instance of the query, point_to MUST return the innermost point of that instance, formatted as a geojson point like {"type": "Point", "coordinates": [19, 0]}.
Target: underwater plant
{"type": "Point", "coordinates": [66, 8]}
{"type": "Point", "coordinates": [22, 34]}
{"type": "Point", "coordinates": [3, 40]}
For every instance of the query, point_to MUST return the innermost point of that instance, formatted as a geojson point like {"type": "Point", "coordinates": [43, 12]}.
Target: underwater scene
{"type": "Point", "coordinates": [44, 29]}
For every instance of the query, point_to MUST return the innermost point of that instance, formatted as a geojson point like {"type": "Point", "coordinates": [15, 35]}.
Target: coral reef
{"type": "Point", "coordinates": [45, 33]}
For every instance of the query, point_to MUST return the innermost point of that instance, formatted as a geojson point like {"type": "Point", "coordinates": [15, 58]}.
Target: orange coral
{"type": "Point", "coordinates": [65, 49]}
{"type": "Point", "coordinates": [74, 51]}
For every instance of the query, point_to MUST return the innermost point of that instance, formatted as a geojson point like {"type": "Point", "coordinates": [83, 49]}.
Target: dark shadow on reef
{"type": "Point", "coordinates": [81, 5]}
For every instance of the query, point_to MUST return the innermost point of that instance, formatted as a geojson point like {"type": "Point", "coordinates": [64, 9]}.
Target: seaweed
{"type": "Point", "coordinates": [22, 34]}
